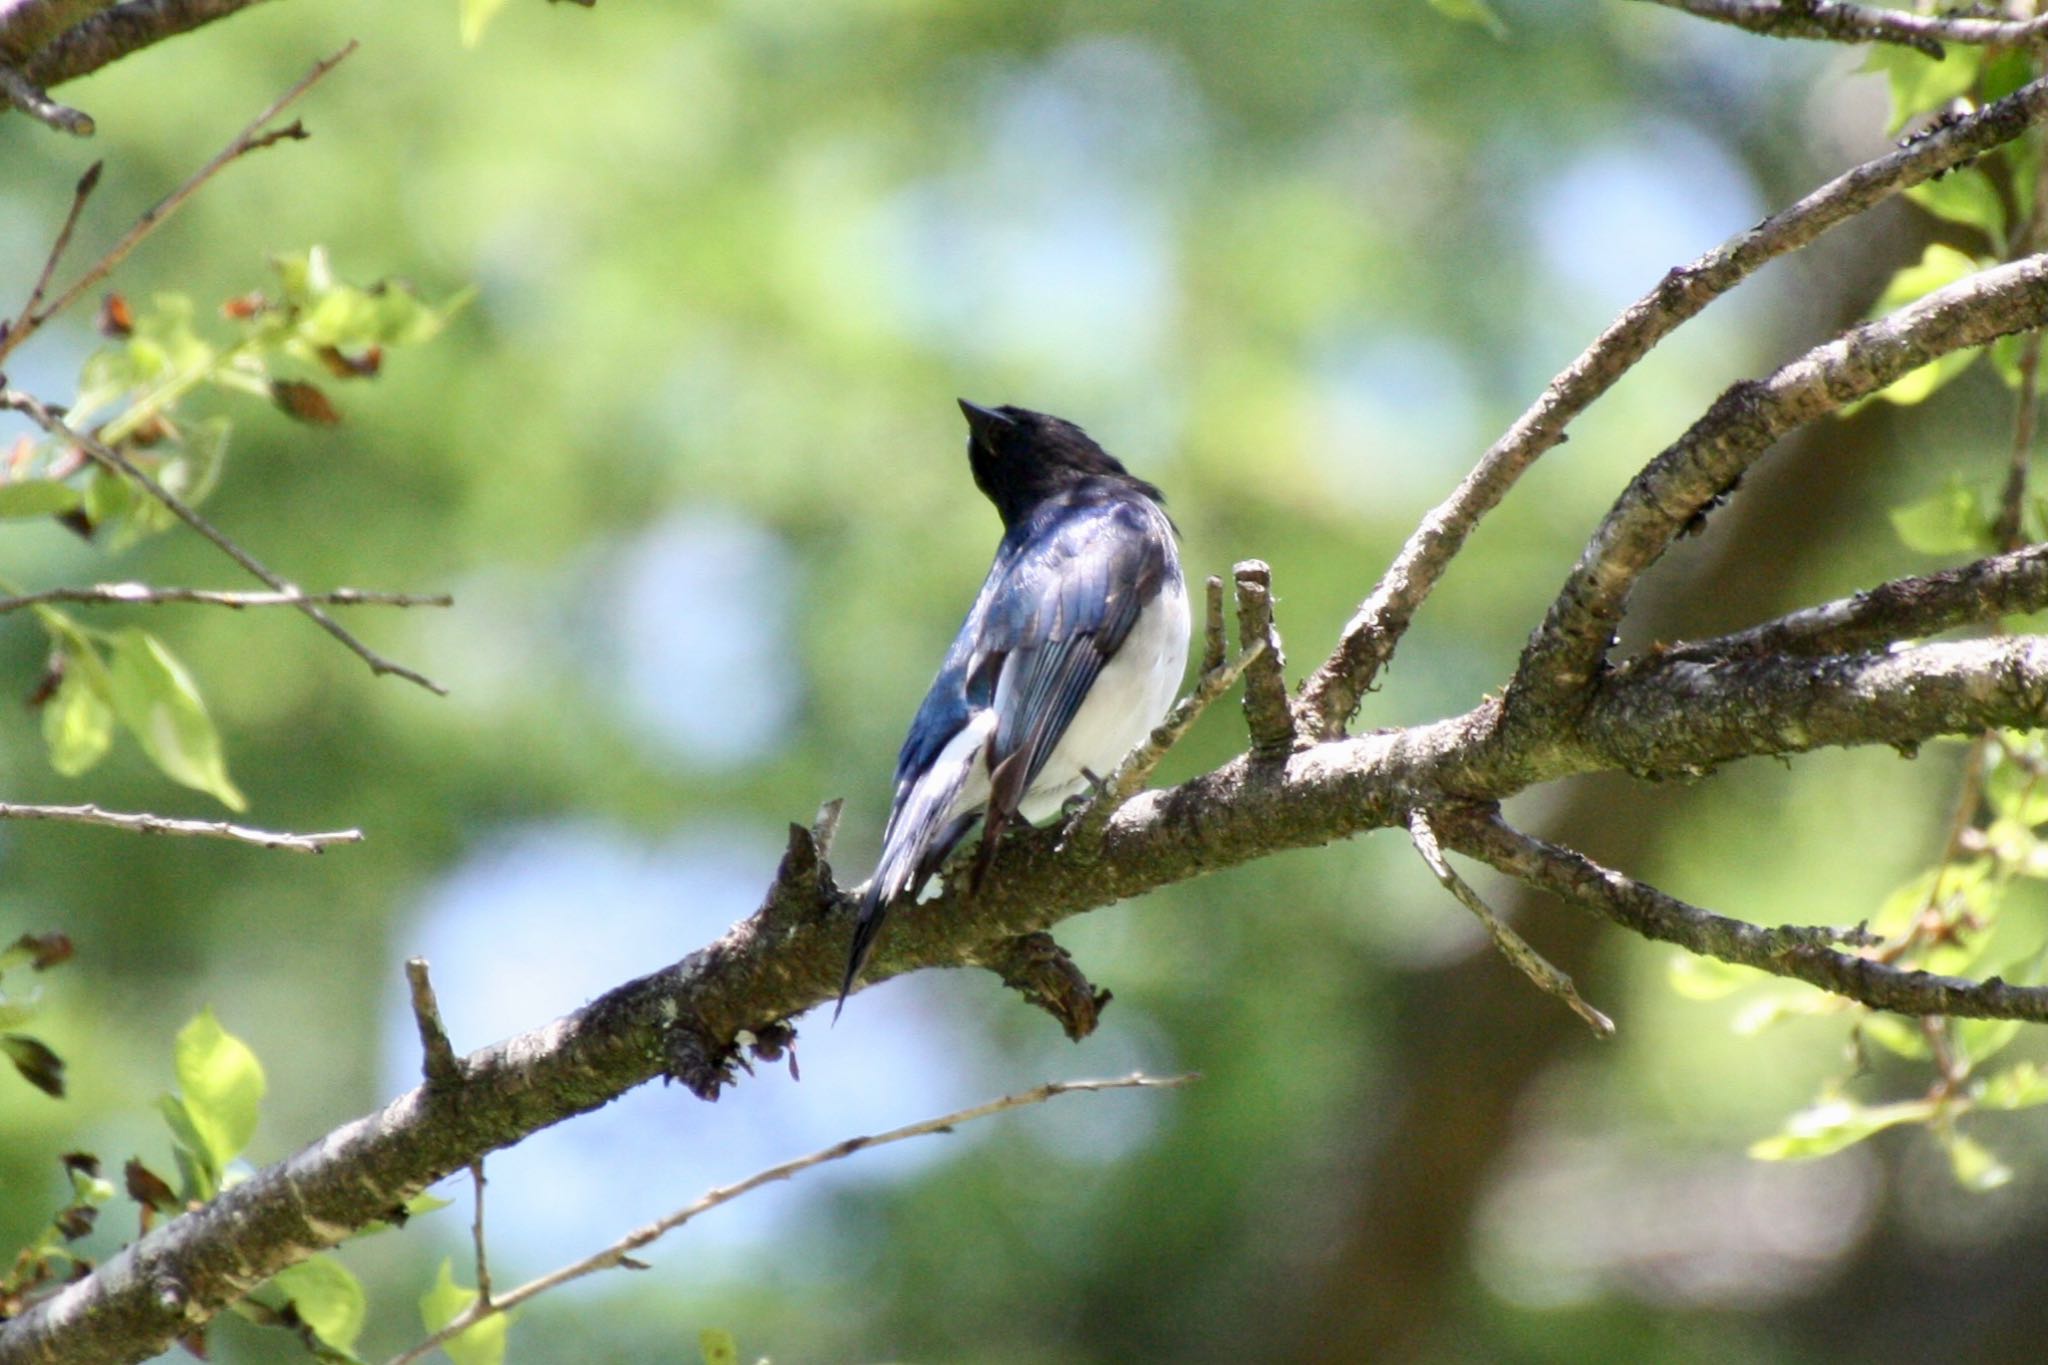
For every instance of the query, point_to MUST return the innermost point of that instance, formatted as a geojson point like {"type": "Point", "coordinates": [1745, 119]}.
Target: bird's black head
{"type": "Point", "coordinates": [1021, 457]}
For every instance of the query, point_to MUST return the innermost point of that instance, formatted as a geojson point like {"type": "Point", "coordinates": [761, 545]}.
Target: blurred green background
{"type": "Point", "coordinates": [690, 463]}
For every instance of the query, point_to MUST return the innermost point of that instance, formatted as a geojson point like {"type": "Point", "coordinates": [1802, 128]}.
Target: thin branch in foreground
{"type": "Point", "coordinates": [161, 824]}
{"type": "Point", "coordinates": [251, 138]}
{"type": "Point", "coordinates": [1512, 945]}
{"type": "Point", "coordinates": [1798, 952]}
{"type": "Point", "coordinates": [25, 95]}
{"type": "Point", "coordinates": [620, 1252]}
{"type": "Point", "coordinates": [1835, 22]}
{"type": "Point", "coordinates": [110, 458]}
{"type": "Point", "coordinates": [1332, 693]}
{"type": "Point", "coordinates": [149, 595]}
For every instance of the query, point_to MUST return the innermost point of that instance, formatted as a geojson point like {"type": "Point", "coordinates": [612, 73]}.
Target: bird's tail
{"type": "Point", "coordinates": [922, 830]}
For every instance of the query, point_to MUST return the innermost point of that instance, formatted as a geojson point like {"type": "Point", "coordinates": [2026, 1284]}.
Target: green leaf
{"type": "Point", "coordinates": [78, 725]}
{"type": "Point", "coordinates": [1828, 1127]}
{"type": "Point", "coordinates": [1897, 1036]}
{"type": "Point", "coordinates": [1967, 196]}
{"type": "Point", "coordinates": [2017, 1087]}
{"type": "Point", "coordinates": [717, 1347]}
{"type": "Point", "coordinates": [481, 1343]}
{"type": "Point", "coordinates": [1938, 267]}
{"type": "Point", "coordinates": [329, 1297]}
{"type": "Point", "coordinates": [36, 498]}
{"type": "Point", "coordinates": [221, 1084]}
{"type": "Point", "coordinates": [1917, 386]}
{"type": "Point", "coordinates": [476, 14]}
{"type": "Point", "coordinates": [1951, 522]}
{"type": "Point", "coordinates": [1920, 83]}
{"type": "Point", "coordinates": [2005, 357]}
{"type": "Point", "coordinates": [1477, 12]}
{"type": "Point", "coordinates": [1707, 978]}
{"type": "Point", "coordinates": [155, 698]}
{"type": "Point", "coordinates": [1974, 1166]}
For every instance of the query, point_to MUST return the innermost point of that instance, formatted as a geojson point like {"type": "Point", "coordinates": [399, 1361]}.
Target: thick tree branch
{"type": "Point", "coordinates": [1331, 695]}
{"type": "Point", "coordinates": [117, 31]}
{"type": "Point", "coordinates": [1903, 609]}
{"type": "Point", "coordinates": [1835, 22]}
{"type": "Point", "coordinates": [1800, 953]}
{"type": "Point", "coordinates": [691, 1018]}
{"type": "Point", "coordinates": [1703, 466]}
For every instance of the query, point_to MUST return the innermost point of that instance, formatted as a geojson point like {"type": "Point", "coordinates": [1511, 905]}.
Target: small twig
{"type": "Point", "coordinates": [87, 183]}
{"type": "Point", "coordinates": [1268, 714]}
{"type": "Point", "coordinates": [1836, 22]}
{"type": "Point", "coordinates": [148, 595]}
{"type": "Point", "coordinates": [139, 823]}
{"type": "Point", "coordinates": [620, 1252]}
{"type": "Point", "coordinates": [438, 1062]}
{"type": "Point", "coordinates": [250, 139]}
{"type": "Point", "coordinates": [1512, 945]}
{"type": "Point", "coordinates": [476, 1234]}
{"type": "Point", "coordinates": [25, 95]}
{"type": "Point", "coordinates": [1137, 765]}
{"type": "Point", "coordinates": [1214, 647]}
{"type": "Point", "coordinates": [110, 458]}
{"type": "Point", "coordinates": [825, 825]}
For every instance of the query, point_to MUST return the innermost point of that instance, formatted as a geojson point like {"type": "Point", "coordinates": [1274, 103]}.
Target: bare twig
{"type": "Point", "coordinates": [620, 1251]}
{"type": "Point", "coordinates": [1512, 945]}
{"type": "Point", "coordinates": [476, 1235]}
{"type": "Point", "coordinates": [25, 95]}
{"type": "Point", "coordinates": [1331, 695]}
{"type": "Point", "coordinates": [1568, 649]}
{"type": "Point", "coordinates": [149, 595]}
{"type": "Point", "coordinates": [1215, 648]}
{"type": "Point", "coordinates": [437, 1055]}
{"type": "Point", "coordinates": [1833, 21]}
{"type": "Point", "coordinates": [1903, 609]}
{"type": "Point", "coordinates": [110, 458]}
{"type": "Point", "coordinates": [825, 826]}
{"type": "Point", "coordinates": [250, 139]}
{"type": "Point", "coordinates": [160, 824]}
{"type": "Point", "coordinates": [1804, 954]}
{"type": "Point", "coordinates": [87, 183]}
{"type": "Point", "coordinates": [1268, 713]}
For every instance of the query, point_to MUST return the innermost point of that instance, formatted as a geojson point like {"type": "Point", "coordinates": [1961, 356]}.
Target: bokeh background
{"type": "Point", "coordinates": [691, 465]}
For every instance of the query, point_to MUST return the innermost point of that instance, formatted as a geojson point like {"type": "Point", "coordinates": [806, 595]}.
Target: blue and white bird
{"type": "Point", "coordinates": [1072, 653]}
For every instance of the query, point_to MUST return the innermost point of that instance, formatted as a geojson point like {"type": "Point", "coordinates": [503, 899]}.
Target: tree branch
{"type": "Point", "coordinates": [117, 31]}
{"type": "Point", "coordinates": [25, 95]}
{"type": "Point", "coordinates": [1832, 21]}
{"type": "Point", "coordinates": [1331, 695]}
{"type": "Point", "coordinates": [27, 25]}
{"type": "Point", "coordinates": [1702, 467]}
{"type": "Point", "coordinates": [160, 824]}
{"type": "Point", "coordinates": [1800, 953]}
{"type": "Point", "coordinates": [1903, 609]}
{"type": "Point", "coordinates": [149, 595]}
{"type": "Point", "coordinates": [112, 459]}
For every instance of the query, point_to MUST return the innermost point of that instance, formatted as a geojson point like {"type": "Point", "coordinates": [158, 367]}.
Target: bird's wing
{"type": "Point", "coordinates": [1060, 613]}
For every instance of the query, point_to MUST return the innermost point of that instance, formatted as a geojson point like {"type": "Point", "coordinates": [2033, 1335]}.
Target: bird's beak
{"type": "Point", "coordinates": [980, 420]}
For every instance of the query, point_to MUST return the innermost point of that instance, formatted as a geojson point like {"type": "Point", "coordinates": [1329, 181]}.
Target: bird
{"type": "Point", "coordinates": [1072, 652]}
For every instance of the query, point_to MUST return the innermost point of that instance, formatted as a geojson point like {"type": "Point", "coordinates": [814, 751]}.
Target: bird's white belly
{"type": "Point", "coordinates": [1130, 696]}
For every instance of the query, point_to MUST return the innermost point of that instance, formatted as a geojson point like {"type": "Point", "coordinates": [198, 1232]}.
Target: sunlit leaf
{"type": "Point", "coordinates": [2017, 1087]}
{"type": "Point", "coordinates": [1900, 1037]}
{"type": "Point", "coordinates": [36, 498]}
{"type": "Point", "coordinates": [1476, 12]}
{"type": "Point", "coordinates": [1919, 83]}
{"type": "Point", "coordinates": [715, 1346]}
{"type": "Point", "coordinates": [1950, 522]}
{"type": "Point", "coordinates": [329, 1297]}
{"type": "Point", "coordinates": [476, 16]}
{"type": "Point", "coordinates": [481, 1343]}
{"type": "Point", "coordinates": [1974, 1166]}
{"type": "Point", "coordinates": [1967, 196]}
{"type": "Point", "coordinates": [78, 725]}
{"type": "Point", "coordinates": [1829, 1127]}
{"type": "Point", "coordinates": [1707, 978]}
{"type": "Point", "coordinates": [221, 1084]}
{"type": "Point", "coordinates": [157, 701]}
